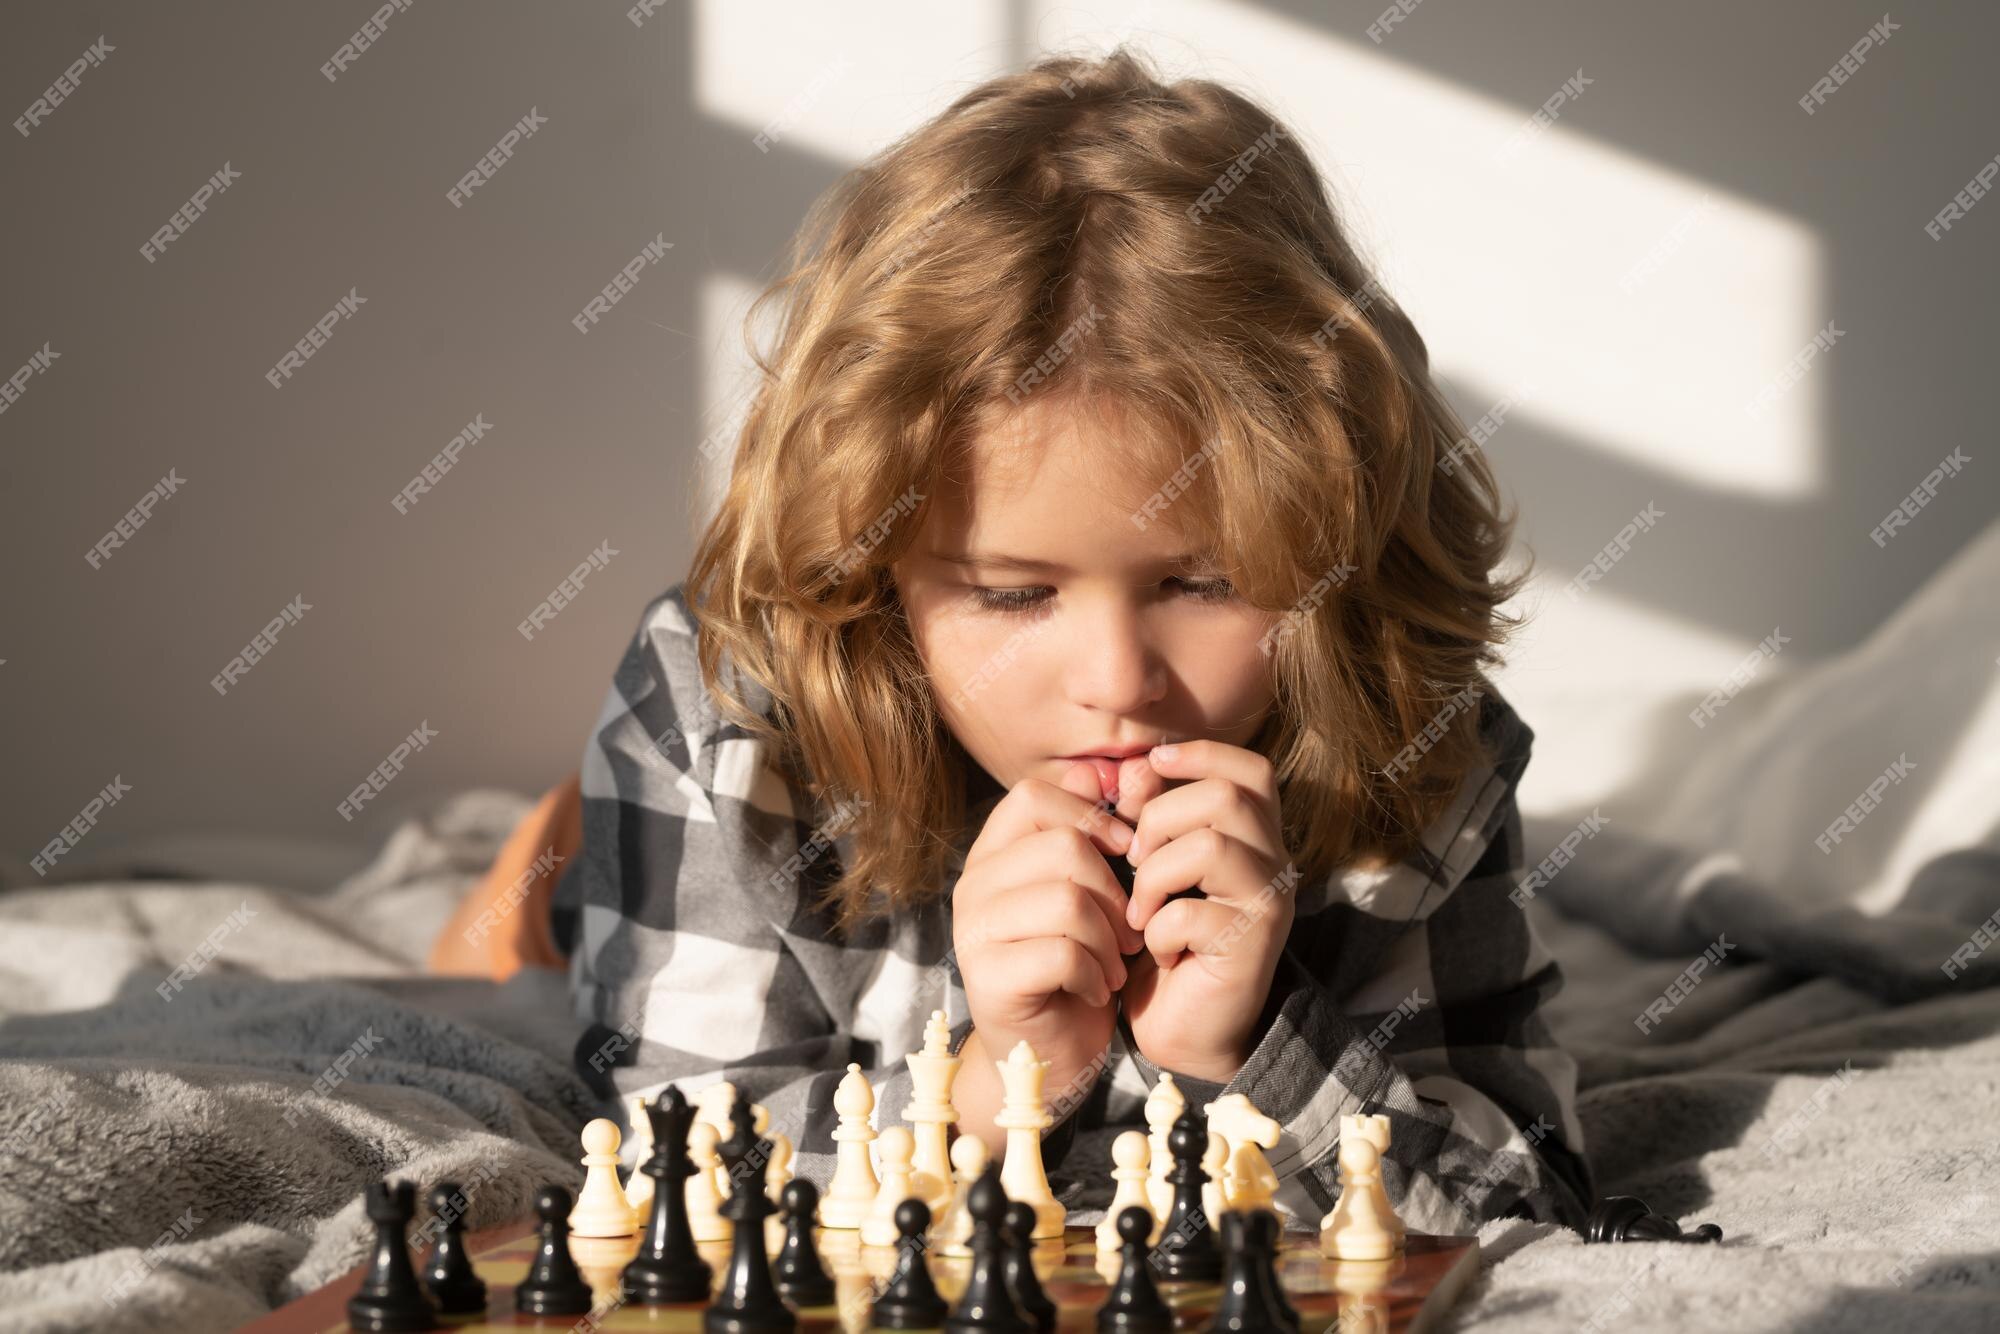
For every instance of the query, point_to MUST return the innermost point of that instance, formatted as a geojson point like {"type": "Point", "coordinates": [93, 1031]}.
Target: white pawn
{"type": "Point", "coordinates": [896, 1145]}
{"type": "Point", "coordinates": [639, 1186]}
{"type": "Point", "coordinates": [601, 1207]}
{"type": "Point", "coordinates": [704, 1198]}
{"type": "Point", "coordinates": [1215, 1162]}
{"type": "Point", "coordinates": [1128, 1154]}
{"type": "Point", "coordinates": [1024, 1116]}
{"type": "Point", "coordinates": [777, 1171]}
{"type": "Point", "coordinates": [851, 1193]}
{"type": "Point", "coordinates": [1164, 1106]}
{"type": "Point", "coordinates": [1361, 1225]}
{"type": "Point", "coordinates": [952, 1230]}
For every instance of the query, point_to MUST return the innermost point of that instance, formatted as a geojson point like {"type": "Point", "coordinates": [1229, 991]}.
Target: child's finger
{"type": "Point", "coordinates": [1049, 855]}
{"type": "Point", "coordinates": [1049, 964]}
{"type": "Point", "coordinates": [1226, 870]}
{"type": "Point", "coordinates": [1217, 759]}
{"type": "Point", "coordinates": [1208, 803]}
{"type": "Point", "coordinates": [1196, 926]}
{"type": "Point", "coordinates": [1058, 908]}
{"type": "Point", "coordinates": [1034, 804]}
{"type": "Point", "coordinates": [1138, 783]}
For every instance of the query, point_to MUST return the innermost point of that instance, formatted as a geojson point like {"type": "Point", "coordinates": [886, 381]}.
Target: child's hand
{"type": "Point", "coordinates": [1038, 924]}
{"type": "Point", "coordinates": [1194, 998]}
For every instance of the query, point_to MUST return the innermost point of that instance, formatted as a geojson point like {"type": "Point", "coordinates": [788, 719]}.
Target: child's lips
{"type": "Point", "coordinates": [1107, 773]}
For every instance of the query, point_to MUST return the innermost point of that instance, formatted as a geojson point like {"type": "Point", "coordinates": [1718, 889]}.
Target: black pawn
{"type": "Point", "coordinates": [1247, 1304]}
{"type": "Point", "coordinates": [747, 1302]}
{"type": "Point", "coordinates": [554, 1285]}
{"type": "Point", "coordinates": [800, 1277]}
{"type": "Point", "coordinates": [1187, 1248]}
{"type": "Point", "coordinates": [448, 1272]}
{"type": "Point", "coordinates": [390, 1297]}
{"type": "Point", "coordinates": [986, 1307]}
{"type": "Point", "coordinates": [667, 1267]}
{"type": "Point", "coordinates": [1022, 1280]}
{"type": "Point", "coordinates": [911, 1300]}
{"type": "Point", "coordinates": [1134, 1304]}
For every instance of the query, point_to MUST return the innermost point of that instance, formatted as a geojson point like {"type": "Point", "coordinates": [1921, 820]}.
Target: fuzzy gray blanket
{"type": "Point", "coordinates": [189, 1109]}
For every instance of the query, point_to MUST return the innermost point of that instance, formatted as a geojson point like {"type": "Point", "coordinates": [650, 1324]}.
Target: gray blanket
{"type": "Point", "coordinates": [190, 1159]}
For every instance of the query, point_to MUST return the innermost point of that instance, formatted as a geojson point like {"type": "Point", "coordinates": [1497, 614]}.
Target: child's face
{"type": "Point", "coordinates": [1053, 626]}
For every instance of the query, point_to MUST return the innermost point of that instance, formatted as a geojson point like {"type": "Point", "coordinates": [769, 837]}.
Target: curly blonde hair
{"type": "Point", "coordinates": [1083, 228]}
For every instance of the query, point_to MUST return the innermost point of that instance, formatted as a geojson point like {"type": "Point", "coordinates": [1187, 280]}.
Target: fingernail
{"type": "Point", "coordinates": [1165, 754]}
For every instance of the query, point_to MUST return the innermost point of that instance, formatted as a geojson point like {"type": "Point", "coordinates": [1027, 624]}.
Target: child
{"type": "Point", "coordinates": [1096, 528]}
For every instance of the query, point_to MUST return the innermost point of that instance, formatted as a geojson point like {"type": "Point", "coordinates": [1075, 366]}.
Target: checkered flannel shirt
{"type": "Point", "coordinates": [696, 956]}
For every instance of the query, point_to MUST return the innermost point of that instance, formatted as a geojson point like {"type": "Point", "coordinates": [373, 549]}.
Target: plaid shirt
{"type": "Point", "coordinates": [696, 956]}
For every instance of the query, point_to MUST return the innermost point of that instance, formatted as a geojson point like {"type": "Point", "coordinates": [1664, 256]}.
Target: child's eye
{"type": "Point", "coordinates": [1027, 599]}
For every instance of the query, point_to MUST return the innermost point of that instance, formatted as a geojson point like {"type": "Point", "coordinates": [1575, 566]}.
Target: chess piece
{"type": "Point", "coordinates": [554, 1285]}
{"type": "Point", "coordinates": [714, 1104]}
{"type": "Point", "coordinates": [747, 1301]}
{"type": "Point", "coordinates": [1129, 1170]}
{"type": "Point", "coordinates": [1187, 1247]}
{"type": "Point", "coordinates": [953, 1232]}
{"type": "Point", "coordinates": [1024, 1117]}
{"type": "Point", "coordinates": [851, 1193]}
{"type": "Point", "coordinates": [1134, 1304]}
{"type": "Point", "coordinates": [390, 1297]}
{"type": "Point", "coordinates": [1265, 1231]}
{"type": "Point", "coordinates": [448, 1272]}
{"type": "Point", "coordinates": [639, 1186]}
{"type": "Point", "coordinates": [1249, 1182]}
{"type": "Point", "coordinates": [776, 1174]}
{"type": "Point", "coordinates": [1164, 1106]}
{"type": "Point", "coordinates": [1626, 1218]}
{"type": "Point", "coordinates": [911, 1299]}
{"type": "Point", "coordinates": [986, 1306]}
{"type": "Point", "coordinates": [930, 1113]}
{"type": "Point", "coordinates": [1361, 1225]}
{"type": "Point", "coordinates": [797, 1273]}
{"type": "Point", "coordinates": [1018, 1222]}
{"type": "Point", "coordinates": [879, 1227]}
{"type": "Point", "coordinates": [704, 1197]}
{"type": "Point", "coordinates": [667, 1267]}
{"type": "Point", "coordinates": [601, 1207]}
{"type": "Point", "coordinates": [1248, 1303]}
{"type": "Point", "coordinates": [1215, 1163]}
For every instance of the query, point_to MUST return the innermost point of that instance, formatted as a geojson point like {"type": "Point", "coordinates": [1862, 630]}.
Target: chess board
{"type": "Point", "coordinates": [1408, 1294]}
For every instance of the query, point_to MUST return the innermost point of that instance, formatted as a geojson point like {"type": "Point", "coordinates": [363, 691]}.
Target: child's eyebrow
{"type": "Point", "coordinates": [996, 560]}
